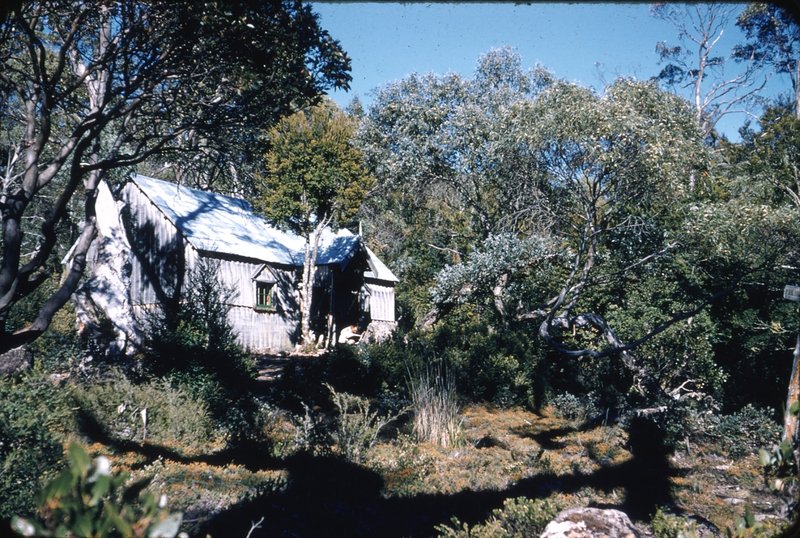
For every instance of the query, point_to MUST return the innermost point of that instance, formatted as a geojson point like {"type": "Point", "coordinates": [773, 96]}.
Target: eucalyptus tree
{"type": "Point", "coordinates": [773, 35]}
{"type": "Point", "coordinates": [92, 88]}
{"type": "Point", "coordinates": [613, 174]}
{"type": "Point", "coordinates": [698, 66]}
{"type": "Point", "coordinates": [445, 169]}
{"type": "Point", "coordinates": [768, 166]}
{"type": "Point", "coordinates": [314, 178]}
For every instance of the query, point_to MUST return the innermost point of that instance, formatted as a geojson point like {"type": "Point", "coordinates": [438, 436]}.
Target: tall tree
{"type": "Point", "coordinates": [773, 37]}
{"type": "Point", "coordinates": [448, 172]}
{"type": "Point", "coordinates": [696, 65]}
{"type": "Point", "coordinates": [314, 178]}
{"type": "Point", "coordinates": [90, 88]}
{"type": "Point", "coordinates": [770, 159]}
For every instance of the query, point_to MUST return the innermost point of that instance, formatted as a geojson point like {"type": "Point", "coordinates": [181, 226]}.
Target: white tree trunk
{"type": "Point", "coordinates": [307, 284]}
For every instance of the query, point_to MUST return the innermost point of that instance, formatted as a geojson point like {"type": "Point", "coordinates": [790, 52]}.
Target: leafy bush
{"type": "Point", "coordinates": [686, 421]}
{"type": "Point", "coordinates": [357, 427]}
{"type": "Point", "coordinates": [745, 431]}
{"type": "Point", "coordinates": [197, 335]}
{"type": "Point", "coordinates": [311, 435]}
{"type": "Point", "coordinates": [435, 405]}
{"type": "Point", "coordinates": [86, 499]}
{"type": "Point", "coordinates": [667, 525]}
{"type": "Point", "coordinates": [572, 407]}
{"type": "Point", "coordinates": [35, 416]}
{"type": "Point", "coordinates": [519, 518]}
{"type": "Point", "coordinates": [154, 411]}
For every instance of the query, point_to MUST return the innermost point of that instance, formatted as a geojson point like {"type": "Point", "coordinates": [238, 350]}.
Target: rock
{"type": "Point", "coordinates": [15, 361]}
{"type": "Point", "coordinates": [591, 523]}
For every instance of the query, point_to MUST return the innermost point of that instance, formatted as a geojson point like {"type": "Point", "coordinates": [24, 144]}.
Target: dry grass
{"type": "Point", "coordinates": [503, 451]}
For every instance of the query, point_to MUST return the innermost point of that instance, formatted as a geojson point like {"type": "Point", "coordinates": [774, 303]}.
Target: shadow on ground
{"type": "Point", "coordinates": [328, 496]}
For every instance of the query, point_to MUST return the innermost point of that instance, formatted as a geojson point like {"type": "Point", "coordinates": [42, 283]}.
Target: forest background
{"type": "Point", "coordinates": [609, 250]}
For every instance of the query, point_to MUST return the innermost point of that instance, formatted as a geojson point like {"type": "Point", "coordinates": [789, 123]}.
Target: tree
{"type": "Point", "coordinates": [92, 88]}
{"type": "Point", "coordinates": [612, 172]}
{"type": "Point", "coordinates": [774, 42]}
{"type": "Point", "coordinates": [314, 178]}
{"type": "Point", "coordinates": [771, 159]}
{"type": "Point", "coordinates": [447, 173]}
{"type": "Point", "coordinates": [696, 64]}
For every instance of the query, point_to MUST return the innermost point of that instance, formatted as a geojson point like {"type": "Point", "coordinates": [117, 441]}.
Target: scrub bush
{"type": "Point", "coordinates": [35, 417]}
{"type": "Point", "coordinates": [155, 412]}
{"type": "Point", "coordinates": [519, 517]}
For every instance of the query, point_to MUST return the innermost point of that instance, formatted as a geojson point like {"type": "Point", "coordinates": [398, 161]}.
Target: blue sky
{"type": "Point", "coordinates": [590, 43]}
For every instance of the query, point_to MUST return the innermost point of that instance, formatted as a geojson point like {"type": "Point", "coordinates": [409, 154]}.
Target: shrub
{"type": "Point", "coordinates": [435, 405]}
{"type": "Point", "coordinates": [745, 431]}
{"type": "Point", "coordinates": [685, 421]}
{"type": "Point", "coordinates": [35, 416]}
{"type": "Point", "coordinates": [518, 518]}
{"type": "Point", "coordinates": [86, 499]}
{"type": "Point", "coordinates": [197, 335]}
{"type": "Point", "coordinates": [154, 411]}
{"type": "Point", "coordinates": [667, 525]}
{"type": "Point", "coordinates": [357, 428]}
{"type": "Point", "coordinates": [311, 436]}
{"type": "Point", "coordinates": [572, 407]}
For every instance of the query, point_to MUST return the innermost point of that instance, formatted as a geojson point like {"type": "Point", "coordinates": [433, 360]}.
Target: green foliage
{"type": "Point", "coordinates": [519, 517]}
{"type": "Point", "coordinates": [781, 467]}
{"type": "Point", "coordinates": [666, 525]}
{"type": "Point", "coordinates": [155, 412]}
{"type": "Point", "coordinates": [313, 172]}
{"type": "Point", "coordinates": [747, 526]}
{"type": "Point", "coordinates": [35, 417]}
{"type": "Point", "coordinates": [357, 427]}
{"type": "Point", "coordinates": [87, 499]}
{"type": "Point", "coordinates": [686, 421]}
{"type": "Point", "coordinates": [195, 349]}
{"type": "Point", "coordinates": [572, 407]}
{"type": "Point", "coordinates": [773, 39]}
{"type": "Point", "coordinates": [745, 431]}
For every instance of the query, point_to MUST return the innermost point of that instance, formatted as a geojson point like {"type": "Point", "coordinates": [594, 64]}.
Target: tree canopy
{"type": "Point", "coordinates": [91, 89]}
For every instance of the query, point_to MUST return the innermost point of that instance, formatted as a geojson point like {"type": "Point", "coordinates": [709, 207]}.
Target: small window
{"type": "Point", "coordinates": [264, 296]}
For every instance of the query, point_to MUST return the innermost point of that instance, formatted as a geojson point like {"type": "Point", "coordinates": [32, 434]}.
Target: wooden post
{"type": "Point", "coordinates": [789, 420]}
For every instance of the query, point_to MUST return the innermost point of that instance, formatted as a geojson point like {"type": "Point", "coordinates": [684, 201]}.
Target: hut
{"type": "Point", "coordinates": [154, 233]}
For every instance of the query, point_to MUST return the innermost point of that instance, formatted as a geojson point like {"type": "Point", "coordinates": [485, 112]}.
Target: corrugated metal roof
{"type": "Point", "coordinates": [223, 224]}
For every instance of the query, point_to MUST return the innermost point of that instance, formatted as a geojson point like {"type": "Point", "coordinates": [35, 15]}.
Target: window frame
{"type": "Point", "coordinates": [264, 290]}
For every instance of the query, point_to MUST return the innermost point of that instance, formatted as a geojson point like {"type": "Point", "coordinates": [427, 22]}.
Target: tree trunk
{"type": "Point", "coordinates": [307, 285]}
{"type": "Point", "coordinates": [790, 421]}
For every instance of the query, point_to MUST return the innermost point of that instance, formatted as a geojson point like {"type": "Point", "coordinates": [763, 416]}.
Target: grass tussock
{"type": "Point", "coordinates": [435, 404]}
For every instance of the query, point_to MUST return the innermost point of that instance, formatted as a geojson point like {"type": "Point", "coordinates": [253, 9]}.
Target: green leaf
{"type": "Point", "coordinates": [749, 518]}
{"type": "Point", "coordinates": [79, 459]}
{"type": "Point", "coordinates": [786, 450]}
{"type": "Point", "coordinates": [122, 526]}
{"type": "Point", "coordinates": [60, 486]}
{"type": "Point", "coordinates": [100, 488]}
{"type": "Point", "coordinates": [794, 409]}
{"type": "Point", "coordinates": [83, 524]}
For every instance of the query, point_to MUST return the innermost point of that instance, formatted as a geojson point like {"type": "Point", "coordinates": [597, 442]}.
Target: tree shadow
{"type": "Point", "coordinates": [327, 496]}
{"type": "Point", "coordinates": [253, 456]}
